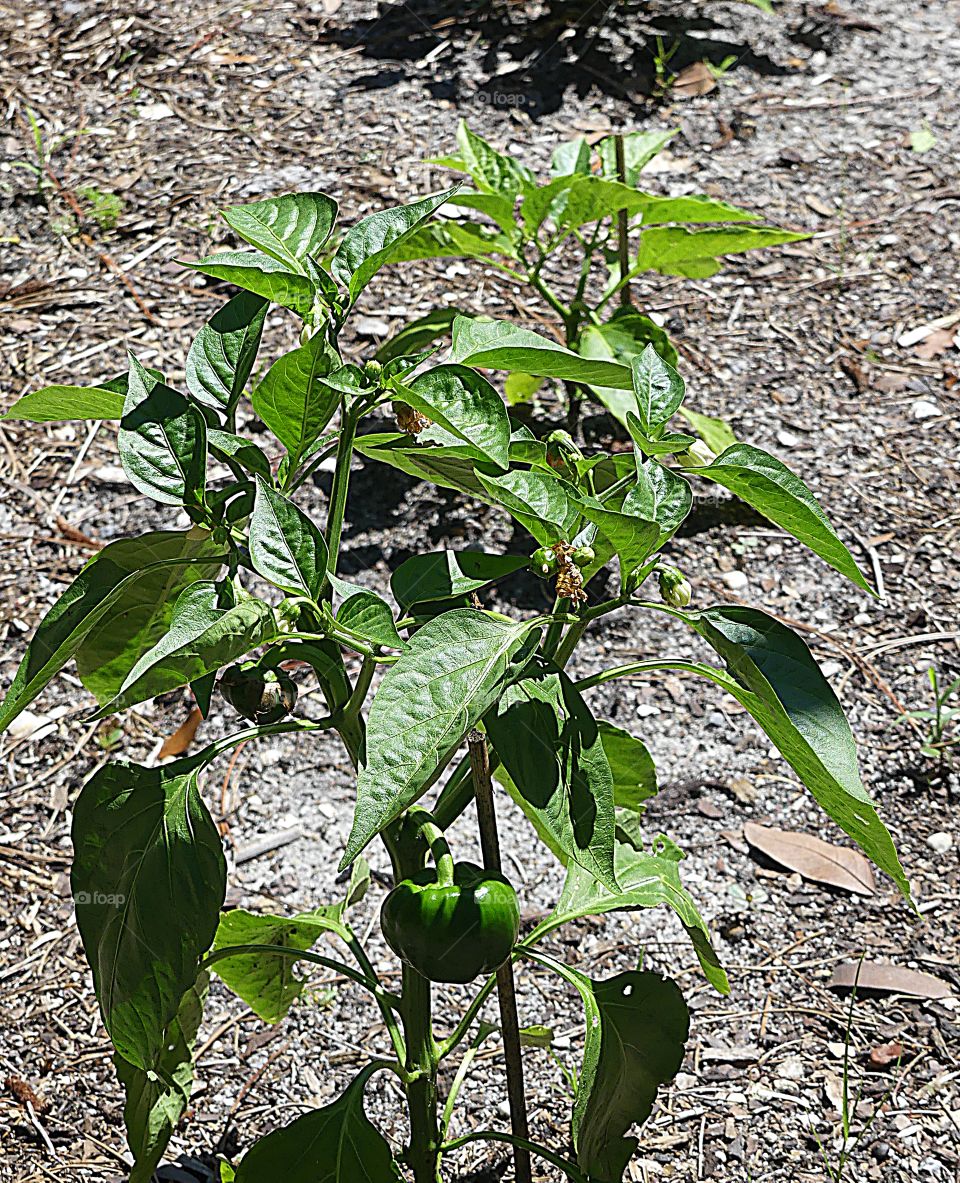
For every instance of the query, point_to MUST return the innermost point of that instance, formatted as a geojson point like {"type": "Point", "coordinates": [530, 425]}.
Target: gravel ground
{"type": "Point", "coordinates": [185, 108]}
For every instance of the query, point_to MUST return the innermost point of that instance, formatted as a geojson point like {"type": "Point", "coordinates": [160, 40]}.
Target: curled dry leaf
{"type": "Point", "coordinates": [814, 859]}
{"type": "Point", "coordinates": [885, 1054]}
{"type": "Point", "coordinates": [876, 977]}
{"type": "Point", "coordinates": [183, 737]}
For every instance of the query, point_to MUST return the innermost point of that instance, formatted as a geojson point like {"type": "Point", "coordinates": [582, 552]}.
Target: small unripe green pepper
{"type": "Point", "coordinates": [262, 696]}
{"type": "Point", "coordinates": [543, 562]}
{"type": "Point", "coordinates": [583, 556]}
{"type": "Point", "coordinates": [674, 587]}
{"type": "Point", "coordinates": [456, 930]}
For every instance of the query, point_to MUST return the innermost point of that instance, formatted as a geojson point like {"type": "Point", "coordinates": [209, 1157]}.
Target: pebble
{"type": "Point", "coordinates": [925, 408]}
{"type": "Point", "coordinates": [940, 842]}
{"type": "Point", "coordinates": [735, 580]}
{"type": "Point", "coordinates": [787, 439]}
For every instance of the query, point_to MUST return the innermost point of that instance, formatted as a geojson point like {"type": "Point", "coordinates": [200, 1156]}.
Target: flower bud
{"type": "Point", "coordinates": [562, 454]}
{"type": "Point", "coordinates": [699, 454]}
{"type": "Point", "coordinates": [373, 370]}
{"type": "Point", "coordinates": [675, 588]}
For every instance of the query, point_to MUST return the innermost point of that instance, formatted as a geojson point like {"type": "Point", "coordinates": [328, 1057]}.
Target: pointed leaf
{"type": "Point", "coordinates": [368, 245]}
{"type": "Point", "coordinates": [223, 352]}
{"type": "Point", "coordinates": [155, 1100]}
{"type": "Point", "coordinates": [551, 749]}
{"type": "Point", "coordinates": [148, 879]}
{"type": "Point", "coordinates": [464, 403]}
{"type": "Point", "coordinates": [492, 171]}
{"type": "Point", "coordinates": [55, 404]}
{"type": "Point", "coordinates": [632, 768]}
{"type": "Point", "coordinates": [224, 444]}
{"type": "Point", "coordinates": [657, 387]}
{"type": "Point", "coordinates": [764, 482]}
{"type": "Point", "coordinates": [336, 1144]}
{"type": "Point", "coordinates": [571, 157]}
{"type": "Point", "coordinates": [443, 574]}
{"type": "Point", "coordinates": [674, 250]}
{"type": "Point", "coordinates": [366, 614]}
{"type": "Point", "coordinates": [289, 228]}
{"type": "Point", "coordinates": [634, 538]}
{"type": "Point", "coordinates": [543, 504]}
{"type": "Point", "coordinates": [261, 274]}
{"type": "Point", "coordinates": [285, 546]}
{"type": "Point", "coordinates": [294, 401]}
{"type": "Point", "coordinates": [451, 672]}
{"type": "Point", "coordinates": [205, 633]}
{"type": "Point", "coordinates": [639, 148]}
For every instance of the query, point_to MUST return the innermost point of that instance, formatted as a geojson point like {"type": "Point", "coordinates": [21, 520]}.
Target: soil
{"type": "Point", "coordinates": [840, 121]}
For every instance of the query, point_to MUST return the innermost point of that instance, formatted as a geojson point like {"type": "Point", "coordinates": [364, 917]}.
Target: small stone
{"type": "Point", "coordinates": [371, 326]}
{"type": "Point", "coordinates": [925, 408]}
{"type": "Point", "coordinates": [862, 619]}
{"type": "Point", "coordinates": [787, 439]}
{"type": "Point", "coordinates": [154, 111]}
{"type": "Point", "coordinates": [830, 669]}
{"type": "Point", "coordinates": [735, 580]}
{"type": "Point", "coordinates": [109, 474]}
{"type": "Point", "coordinates": [940, 842]}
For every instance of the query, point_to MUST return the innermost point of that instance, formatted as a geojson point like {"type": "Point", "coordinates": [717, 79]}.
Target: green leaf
{"type": "Point", "coordinates": [366, 614]}
{"type": "Point", "coordinates": [543, 504]}
{"type": "Point", "coordinates": [639, 148]}
{"type": "Point", "coordinates": [204, 635]}
{"type": "Point", "coordinates": [285, 546]}
{"type": "Point", "coordinates": [661, 495]}
{"type": "Point", "coordinates": [266, 981]}
{"type": "Point", "coordinates": [502, 346]}
{"type": "Point", "coordinates": [162, 441]}
{"type": "Point", "coordinates": [657, 387]}
{"type": "Point", "coordinates": [520, 388]}
{"type": "Point", "coordinates": [452, 240]}
{"type": "Point", "coordinates": [636, 1031]}
{"type": "Point", "coordinates": [773, 675]}
{"type": "Point", "coordinates": [451, 672]}
{"type": "Point", "coordinates": [288, 228]}
{"type": "Point", "coordinates": [623, 338]}
{"type": "Point", "coordinates": [715, 433]}
{"type": "Point", "coordinates": [673, 250]}
{"type": "Point", "coordinates": [262, 275]}
{"type": "Point", "coordinates": [127, 579]}
{"type": "Point", "coordinates": [692, 208]}
{"type": "Point", "coordinates": [492, 171]}
{"type": "Point", "coordinates": [140, 615]}
{"type": "Point", "coordinates": [443, 574]}
{"type": "Point", "coordinates": [772, 489]}
{"type": "Point", "coordinates": [496, 206]}
{"type": "Point", "coordinates": [634, 538]}
{"type": "Point", "coordinates": [646, 881]}
{"type": "Point", "coordinates": [571, 157]}
{"type": "Point", "coordinates": [54, 404]}
{"type": "Point", "coordinates": [631, 767]}
{"type": "Point", "coordinates": [418, 334]}
{"type": "Point", "coordinates": [148, 880]}
{"type": "Point", "coordinates": [225, 445]}
{"type": "Point", "coordinates": [667, 444]}
{"type": "Point", "coordinates": [156, 1099]}
{"type": "Point", "coordinates": [448, 467]}
{"type": "Point", "coordinates": [223, 352]}
{"type": "Point", "coordinates": [369, 245]}
{"type": "Point", "coordinates": [294, 401]}
{"type": "Point", "coordinates": [336, 1144]}
{"type": "Point", "coordinates": [550, 747]}
{"type": "Point", "coordinates": [464, 403]}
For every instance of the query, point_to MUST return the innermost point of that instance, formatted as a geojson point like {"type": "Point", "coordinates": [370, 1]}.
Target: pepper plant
{"type": "Point", "coordinates": [250, 594]}
{"type": "Point", "coordinates": [590, 225]}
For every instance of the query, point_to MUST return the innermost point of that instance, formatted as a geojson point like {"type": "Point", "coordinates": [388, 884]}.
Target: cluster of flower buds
{"type": "Point", "coordinates": [563, 454]}
{"type": "Point", "coordinates": [564, 563]}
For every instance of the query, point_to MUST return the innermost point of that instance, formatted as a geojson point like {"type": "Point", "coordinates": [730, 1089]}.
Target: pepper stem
{"type": "Point", "coordinates": [436, 839]}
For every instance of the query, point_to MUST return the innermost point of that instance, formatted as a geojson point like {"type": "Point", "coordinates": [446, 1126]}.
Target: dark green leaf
{"type": "Point", "coordinates": [464, 403]}
{"type": "Point", "coordinates": [502, 346]}
{"type": "Point", "coordinates": [285, 546]}
{"type": "Point", "coordinates": [162, 441]}
{"type": "Point", "coordinates": [156, 1099]}
{"type": "Point", "coordinates": [336, 1144]}
{"type": "Point", "coordinates": [223, 352]}
{"type": "Point", "coordinates": [657, 387]}
{"type": "Point", "coordinates": [667, 444]}
{"type": "Point", "coordinates": [634, 538]}
{"type": "Point", "coordinates": [294, 400]}
{"type": "Point", "coordinates": [148, 881]}
{"type": "Point", "coordinates": [289, 228]}
{"type": "Point", "coordinates": [661, 495]}
{"type": "Point", "coordinates": [543, 504]}
{"type": "Point", "coordinates": [772, 674]}
{"type": "Point", "coordinates": [366, 614]}
{"type": "Point", "coordinates": [132, 579]}
{"type": "Point", "coordinates": [370, 244]}
{"type": "Point", "coordinates": [550, 747]}
{"type": "Point", "coordinates": [224, 445]}
{"type": "Point", "coordinates": [631, 767]}
{"type": "Point", "coordinates": [451, 672]}
{"type": "Point", "coordinates": [637, 1027]}
{"type": "Point", "coordinates": [262, 275]}
{"type": "Point", "coordinates": [205, 633]}
{"type": "Point", "coordinates": [443, 574]}
{"type": "Point", "coordinates": [761, 480]}
{"type": "Point", "coordinates": [418, 334]}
